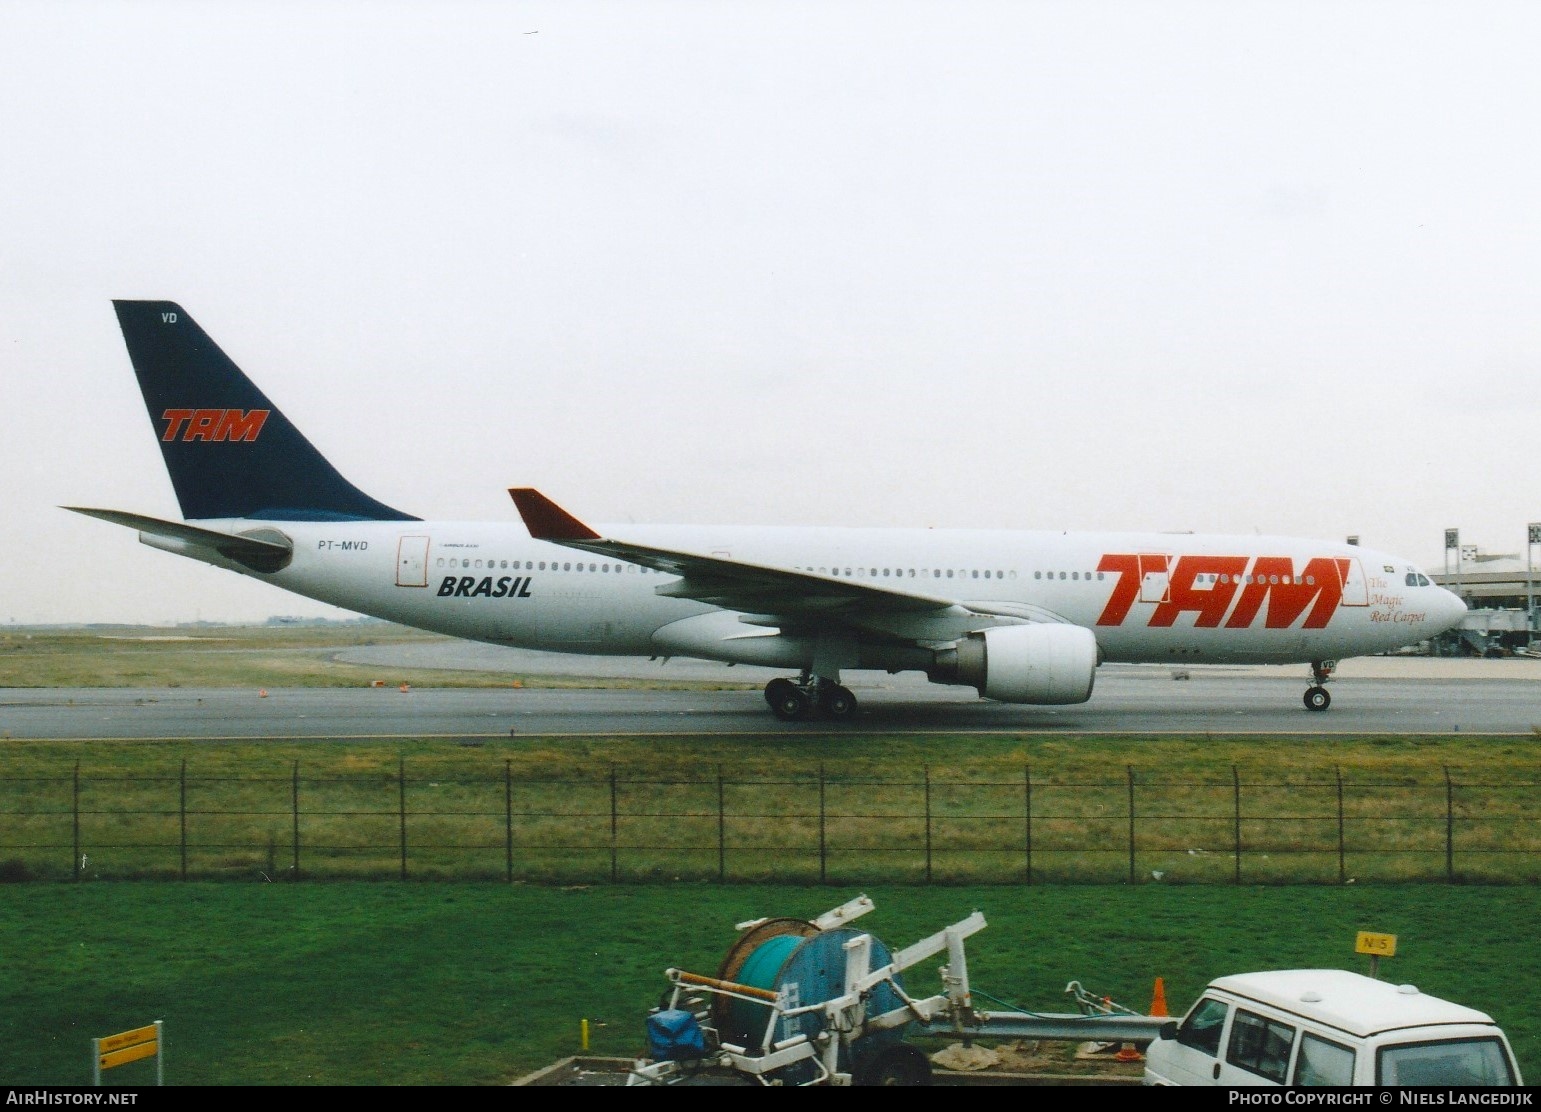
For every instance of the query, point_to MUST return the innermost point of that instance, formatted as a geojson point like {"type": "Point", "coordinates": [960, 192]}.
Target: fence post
{"type": "Point", "coordinates": [1236, 801]}
{"type": "Point", "coordinates": [75, 811]}
{"type": "Point", "coordinates": [722, 832]}
{"type": "Point", "coordinates": [1449, 828]}
{"type": "Point", "coordinates": [294, 800]}
{"type": "Point", "coordinates": [401, 796]}
{"type": "Point", "coordinates": [1027, 819]}
{"type": "Point", "coordinates": [508, 821]}
{"type": "Point", "coordinates": [182, 815]}
{"type": "Point", "coordinates": [1130, 770]}
{"type": "Point", "coordinates": [823, 844]}
{"type": "Point", "coordinates": [1342, 850]}
{"type": "Point", "coordinates": [928, 824]}
{"type": "Point", "coordinates": [614, 827]}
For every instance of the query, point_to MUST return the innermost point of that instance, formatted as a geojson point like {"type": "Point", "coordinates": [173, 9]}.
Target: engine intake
{"type": "Point", "coordinates": [1042, 663]}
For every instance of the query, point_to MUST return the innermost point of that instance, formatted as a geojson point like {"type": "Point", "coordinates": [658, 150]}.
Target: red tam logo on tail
{"type": "Point", "coordinates": [213, 424]}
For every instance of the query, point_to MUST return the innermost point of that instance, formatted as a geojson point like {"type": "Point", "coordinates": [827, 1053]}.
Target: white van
{"type": "Point", "coordinates": [1327, 1027]}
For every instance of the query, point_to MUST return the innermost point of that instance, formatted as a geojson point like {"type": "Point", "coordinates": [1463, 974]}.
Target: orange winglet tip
{"type": "Point", "coordinates": [547, 521]}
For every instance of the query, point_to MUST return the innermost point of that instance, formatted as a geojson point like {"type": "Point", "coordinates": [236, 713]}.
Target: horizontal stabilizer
{"type": "Point", "coordinates": [252, 552]}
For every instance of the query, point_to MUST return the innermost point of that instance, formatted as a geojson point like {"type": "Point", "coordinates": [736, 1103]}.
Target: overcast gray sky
{"type": "Point", "coordinates": [1070, 265]}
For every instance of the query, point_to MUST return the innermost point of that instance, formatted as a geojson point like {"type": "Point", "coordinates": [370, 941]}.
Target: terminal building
{"type": "Point", "coordinates": [1501, 591]}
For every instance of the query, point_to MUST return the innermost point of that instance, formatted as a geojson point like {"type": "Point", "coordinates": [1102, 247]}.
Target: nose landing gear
{"type": "Point", "coordinates": [808, 695]}
{"type": "Point", "coordinates": [1316, 697]}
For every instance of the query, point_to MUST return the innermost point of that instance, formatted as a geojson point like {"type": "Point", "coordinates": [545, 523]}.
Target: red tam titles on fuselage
{"type": "Point", "coordinates": [1207, 586]}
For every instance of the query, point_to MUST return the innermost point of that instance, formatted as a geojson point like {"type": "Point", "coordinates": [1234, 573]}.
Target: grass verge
{"type": "Point", "coordinates": [401, 984]}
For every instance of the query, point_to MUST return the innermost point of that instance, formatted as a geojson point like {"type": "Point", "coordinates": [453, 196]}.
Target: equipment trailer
{"type": "Point", "coordinates": [816, 1002]}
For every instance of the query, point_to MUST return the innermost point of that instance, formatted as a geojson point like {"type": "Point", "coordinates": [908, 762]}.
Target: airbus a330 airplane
{"type": "Point", "coordinates": [1023, 617]}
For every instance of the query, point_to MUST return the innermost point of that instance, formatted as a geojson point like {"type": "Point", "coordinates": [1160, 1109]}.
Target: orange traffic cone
{"type": "Point", "coordinates": [1158, 1001]}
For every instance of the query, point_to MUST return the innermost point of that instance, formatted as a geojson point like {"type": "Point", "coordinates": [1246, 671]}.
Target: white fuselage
{"type": "Point", "coordinates": [1151, 597]}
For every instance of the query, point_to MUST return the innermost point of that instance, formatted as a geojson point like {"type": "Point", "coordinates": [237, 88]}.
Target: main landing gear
{"type": "Point", "coordinates": [809, 694]}
{"type": "Point", "coordinates": [1316, 697]}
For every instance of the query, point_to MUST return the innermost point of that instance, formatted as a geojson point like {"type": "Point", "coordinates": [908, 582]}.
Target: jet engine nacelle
{"type": "Point", "coordinates": [1047, 664]}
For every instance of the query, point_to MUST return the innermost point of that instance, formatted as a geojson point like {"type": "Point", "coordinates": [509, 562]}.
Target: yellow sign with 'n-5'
{"type": "Point", "coordinates": [1376, 945]}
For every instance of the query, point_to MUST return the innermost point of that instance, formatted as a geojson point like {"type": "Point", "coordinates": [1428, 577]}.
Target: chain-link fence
{"type": "Point", "coordinates": [1313, 826]}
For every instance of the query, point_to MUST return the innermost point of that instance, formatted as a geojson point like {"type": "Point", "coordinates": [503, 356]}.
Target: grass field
{"type": "Point", "coordinates": [416, 983]}
{"type": "Point", "coordinates": [400, 984]}
{"type": "Point", "coordinates": [247, 656]}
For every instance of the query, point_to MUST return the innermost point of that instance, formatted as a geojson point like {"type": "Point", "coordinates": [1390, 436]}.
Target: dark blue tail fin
{"type": "Point", "coordinates": [229, 451]}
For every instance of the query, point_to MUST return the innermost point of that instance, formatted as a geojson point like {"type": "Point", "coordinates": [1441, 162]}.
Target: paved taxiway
{"type": "Point", "coordinates": [1404, 695]}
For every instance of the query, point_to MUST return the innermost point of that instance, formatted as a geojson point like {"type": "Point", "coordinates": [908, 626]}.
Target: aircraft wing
{"type": "Point", "coordinates": [790, 599]}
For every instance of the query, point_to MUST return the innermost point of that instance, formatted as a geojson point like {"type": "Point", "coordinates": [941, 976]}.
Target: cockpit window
{"type": "Point", "coordinates": [1417, 579]}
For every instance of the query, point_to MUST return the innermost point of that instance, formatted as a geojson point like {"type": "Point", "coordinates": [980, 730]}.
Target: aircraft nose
{"type": "Point", "coordinates": [1449, 610]}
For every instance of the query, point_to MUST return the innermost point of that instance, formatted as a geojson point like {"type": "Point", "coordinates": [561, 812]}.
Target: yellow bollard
{"type": "Point", "coordinates": [585, 1035]}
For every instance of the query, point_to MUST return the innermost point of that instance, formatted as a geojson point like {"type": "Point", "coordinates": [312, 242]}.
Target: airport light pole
{"type": "Point", "coordinates": [1453, 540]}
{"type": "Point", "coordinates": [1532, 538]}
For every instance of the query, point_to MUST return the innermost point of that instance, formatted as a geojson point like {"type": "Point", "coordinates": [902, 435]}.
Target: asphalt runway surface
{"type": "Point", "coordinates": [1397, 696]}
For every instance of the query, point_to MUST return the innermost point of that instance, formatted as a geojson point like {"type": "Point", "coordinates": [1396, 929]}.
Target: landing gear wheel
{"type": "Point", "coordinates": [899, 1064]}
{"type": "Point", "coordinates": [836, 702]}
{"type": "Point", "coordinates": [776, 690]}
{"type": "Point", "coordinates": [1317, 698]}
{"type": "Point", "coordinates": [789, 702]}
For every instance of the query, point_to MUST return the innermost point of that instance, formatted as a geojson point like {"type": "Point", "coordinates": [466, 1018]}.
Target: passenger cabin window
{"type": "Point", "coordinates": [1260, 1045]}
{"type": "Point", "coordinates": [1323, 1063]}
{"type": "Point", "coordinates": [1201, 1029]}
